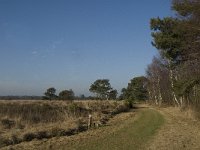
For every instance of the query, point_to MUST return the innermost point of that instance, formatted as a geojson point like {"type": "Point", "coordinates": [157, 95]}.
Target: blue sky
{"type": "Point", "coordinates": [68, 44]}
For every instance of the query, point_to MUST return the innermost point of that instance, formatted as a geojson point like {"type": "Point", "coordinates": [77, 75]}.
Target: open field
{"type": "Point", "coordinates": [28, 120]}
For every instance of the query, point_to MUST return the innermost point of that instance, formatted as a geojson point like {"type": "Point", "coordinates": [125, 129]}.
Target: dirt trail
{"type": "Point", "coordinates": [178, 132]}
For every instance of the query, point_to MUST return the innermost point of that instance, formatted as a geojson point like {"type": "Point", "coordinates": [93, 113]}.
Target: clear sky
{"type": "Point", "coordinates": [68, 44]}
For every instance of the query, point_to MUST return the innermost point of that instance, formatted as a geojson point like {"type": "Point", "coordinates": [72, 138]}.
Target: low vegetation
{"type": "Point", "coordinates": [28, 120]}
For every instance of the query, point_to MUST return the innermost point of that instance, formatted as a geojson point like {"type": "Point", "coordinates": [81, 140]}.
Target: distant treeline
{"type": "Point", "coordinates": [20, 97]}
{"type": "Point", "coordinates": [81, 97]}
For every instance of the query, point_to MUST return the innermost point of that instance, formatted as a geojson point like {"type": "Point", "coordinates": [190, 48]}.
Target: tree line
{"type": "Point", "coordinates": [135, 91]}
{"type": "Point", "coordinates": [101, 88]}
{"type": "Point", "coordinates": [9, 97]}
{"type": "Point", "coordinates": [50, 94]}
{"type": "Point", "coordinates": [174, 75]}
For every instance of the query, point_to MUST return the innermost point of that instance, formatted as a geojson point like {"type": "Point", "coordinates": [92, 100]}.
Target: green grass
{"type": "Point", "coordinates": [133, 135]}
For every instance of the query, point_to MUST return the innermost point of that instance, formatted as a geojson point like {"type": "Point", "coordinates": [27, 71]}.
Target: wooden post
{"type": "Point", "coordinates": [89, 121]}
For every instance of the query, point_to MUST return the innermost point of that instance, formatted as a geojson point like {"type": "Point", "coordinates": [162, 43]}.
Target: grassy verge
{"type": "Point", "coordinates": [133, 135]}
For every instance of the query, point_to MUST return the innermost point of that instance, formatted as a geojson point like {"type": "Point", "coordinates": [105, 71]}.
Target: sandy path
{"type": "Point", "coordinates": [177, 133]}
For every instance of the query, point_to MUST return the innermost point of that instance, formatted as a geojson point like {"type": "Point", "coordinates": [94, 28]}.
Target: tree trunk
{"type": "Point", "coordinates": [155, 96]}
{"type": "Point", "coordinates": [172, 85]}
{"type": "Point", "coordinates": [159, 92]}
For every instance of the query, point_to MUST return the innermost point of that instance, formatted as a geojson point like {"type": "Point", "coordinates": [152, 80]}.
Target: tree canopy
{"type": "Point", "coordinates": [66, 95]}
{"type": "Point", "coordinates": [136, 89]}
{"type": "Point", "coordinates": [103, 89]}
{"type": "Point", "coordinates": [50, 93]}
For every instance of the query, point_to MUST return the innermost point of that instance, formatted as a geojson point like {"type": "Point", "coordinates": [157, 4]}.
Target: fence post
{"type": "Point", "coordinates": [89, 121]}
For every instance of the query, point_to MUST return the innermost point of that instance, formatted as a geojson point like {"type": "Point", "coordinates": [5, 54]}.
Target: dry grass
{"type": "Point", "coordinates": [130, 130]}
{"type": "Point", "coordinates": [28, 120]}
{"type": "Point", "coordinates": [181, 131]}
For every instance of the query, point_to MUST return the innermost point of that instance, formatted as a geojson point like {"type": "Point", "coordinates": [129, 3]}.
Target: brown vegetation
{"type": "Point", "coordinates": [28, 120]}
